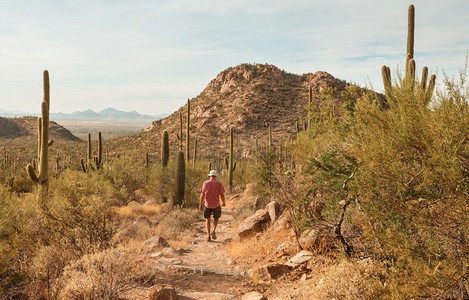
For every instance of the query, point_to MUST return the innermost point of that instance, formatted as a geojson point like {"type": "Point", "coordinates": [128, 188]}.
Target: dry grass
{"type": "Point", "coordinates": [135, 210]}
{"type": "Point", "coordinates": [104, 275]}
{"type": "Point", "coordinates": [253, 250]}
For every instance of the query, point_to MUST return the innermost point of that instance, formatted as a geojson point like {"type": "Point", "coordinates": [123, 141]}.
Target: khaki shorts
{"type": "Point", "coordinates": [215, 211]}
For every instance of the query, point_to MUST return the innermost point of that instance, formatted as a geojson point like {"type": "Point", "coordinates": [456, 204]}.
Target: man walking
{"type": "Point", "coordinates": [212, 191]}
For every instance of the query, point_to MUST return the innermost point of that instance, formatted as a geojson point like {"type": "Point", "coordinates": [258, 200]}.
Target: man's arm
{"type": "Point", "coordinates": [222, 197]}
{"type": "Point", "coordinates": [201, 201]}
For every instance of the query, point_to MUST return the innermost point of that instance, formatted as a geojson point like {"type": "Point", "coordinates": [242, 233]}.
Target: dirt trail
{"type": "Point", "coordinates": [203, 270]}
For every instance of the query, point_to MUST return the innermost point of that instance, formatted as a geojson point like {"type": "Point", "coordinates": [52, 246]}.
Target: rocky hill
{"type": "Point", "coordinates": [26, 127]}
{"type": "Point", "coordinates": [247, 98]}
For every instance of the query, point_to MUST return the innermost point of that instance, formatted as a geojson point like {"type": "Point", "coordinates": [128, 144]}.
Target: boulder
{"type": "Point", "coordinates": [300, 258]}
{"type": "Point", "coordinates": [318, 239]}
{"type": "Point", "coordinates": [268, 272]}
{"type": "Point", "coordinates": [253, 296]}
{"type": "Point", "coordinates": [254, 224]}
{"type": "Point", "coordinates": [142, 221]}
{"type": "Point", "coordinates": [281, 223]}
{"type": "Point", "coordinates": [155, 242]}
{"type": "Point", "coordinates": [274, 211]}
{"type": "Point", "coordinates": [159, 292]}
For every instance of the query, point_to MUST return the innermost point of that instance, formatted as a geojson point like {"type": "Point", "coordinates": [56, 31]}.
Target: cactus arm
{"type": "Point", "coordinates": [31, 173]}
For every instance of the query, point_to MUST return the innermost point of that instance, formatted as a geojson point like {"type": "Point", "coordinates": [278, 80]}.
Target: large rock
{"type": "Point", "coordinates": [254, 224]}
{"type": "Point", "coordinates": [274, 211]}
{"type": "Point", "coordinates": [158, 292]}
{"type": "Point", "coordinates": [155, 242]}
{"type": "Point", "coordinates": [318, 239]}
{"type": "Point", "coordinates": [268, 272]}
{"type": "Point", "coordinates": [253, 296]}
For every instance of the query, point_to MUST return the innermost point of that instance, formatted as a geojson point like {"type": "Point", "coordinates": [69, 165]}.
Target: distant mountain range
{"type": "Point", "coordinates": [108, 115]}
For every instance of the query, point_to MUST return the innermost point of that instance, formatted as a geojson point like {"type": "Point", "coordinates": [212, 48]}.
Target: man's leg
{"type": "Point", "coordinates": [207, 225]}
{"type": "Point", "coordinates": [216, 216]}
{"type": "Point", "coordinates": [215, 223]}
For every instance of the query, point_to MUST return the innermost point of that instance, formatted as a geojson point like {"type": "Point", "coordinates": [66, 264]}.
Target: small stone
{"type": "Point", "coordinates": [253, 296]}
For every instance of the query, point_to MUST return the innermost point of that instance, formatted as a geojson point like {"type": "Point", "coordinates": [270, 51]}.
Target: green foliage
{"type": "Point", "coordinates": [403, 167]}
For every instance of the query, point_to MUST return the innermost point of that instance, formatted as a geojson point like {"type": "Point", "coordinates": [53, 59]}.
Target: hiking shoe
{"type": "Point", "coordinates": [209, 239]}
{"type": "Point", "coordinates": [214, 236]}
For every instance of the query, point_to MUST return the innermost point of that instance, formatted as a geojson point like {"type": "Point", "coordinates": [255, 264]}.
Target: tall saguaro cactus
{"type": "Point", "coordinates": [165, 149]}
{"type": "Point", "coordinates": [188, 129]}
{"type": "Point", "coordinates": [425, 90]}
{"type": "Point", "coordinates": [179, 135]}
{"type": "Point", "coordinates": [180, 178]}
{"type": "Point", "coordinates": [42, 179]}
{"type": "Point", "coordinates": [230, 165]}
{"type": "Point", "coordinates": [410, 34]}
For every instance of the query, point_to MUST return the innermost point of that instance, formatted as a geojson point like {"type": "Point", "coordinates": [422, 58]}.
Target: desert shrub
{"type": "Point", "coordinates": [195, 176]}
{"type": "Point", "coordinates": [82, 225]}
{"type": "Point", "coordinates": [103, 275]}
{"type": "Point", "coordinates": [126, 176]}
{"type": "Point", "coordinates": [44, 271]}
{"type": "Point", "coordinates": [162, 181]}
{"type": "Point", "coordinates": [16, 239]}
{"type": "Point", "coordinates": [73, 185]}
{"type": "Point", "coordinates": [266, 168]}
{"type": "Point", "coordinates": [176, 221]}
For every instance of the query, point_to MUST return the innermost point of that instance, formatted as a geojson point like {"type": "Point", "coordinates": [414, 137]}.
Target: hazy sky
{"type": "Point", "coordinates": [152, 55]}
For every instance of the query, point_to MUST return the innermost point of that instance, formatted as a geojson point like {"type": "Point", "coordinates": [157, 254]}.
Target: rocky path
{"type": "Point", "coordinates": [202, 270]}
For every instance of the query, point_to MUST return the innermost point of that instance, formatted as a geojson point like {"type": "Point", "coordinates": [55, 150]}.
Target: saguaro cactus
{"type": "Point", "coordinates": [188, 129]}
{"type": "Point", "coordinates": [180, 178]}
{"type": "Point", "coordinates": [98, 159]}
{"type": "Point", "coordinates": [425, 90]}
{"type": "Point", "coordinates": [165, 149]}
{"type": "Point", "coordinates": [179, 135]}
{"type": "Point", "coordinates": [43, 140]}
{"type": "Point", "coordinates": [230, 165]}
